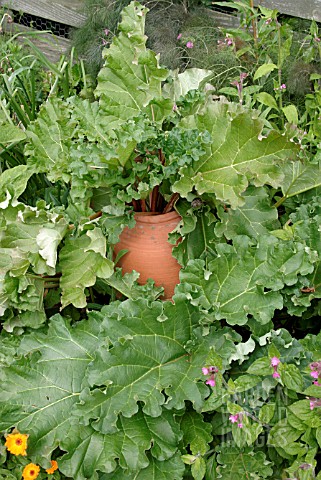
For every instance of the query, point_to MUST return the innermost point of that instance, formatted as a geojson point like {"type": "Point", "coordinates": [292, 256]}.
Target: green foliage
{"type": "Point", "coordinates": [104, 376]}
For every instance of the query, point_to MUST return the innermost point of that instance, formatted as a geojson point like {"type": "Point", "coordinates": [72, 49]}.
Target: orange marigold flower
{"type": "Point", "coordinates": [53, 468]}
{"type": "Point", "coordinates": [30, 472]}
{"type": "Point", "coordinates": [16, 443]}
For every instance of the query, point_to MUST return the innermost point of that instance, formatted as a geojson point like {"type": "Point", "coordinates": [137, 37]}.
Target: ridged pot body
{"type": "Point", "coordinates": [149, 251]}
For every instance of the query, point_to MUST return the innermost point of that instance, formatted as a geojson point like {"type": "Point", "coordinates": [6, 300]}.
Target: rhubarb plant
{"type": "Point", "coordinates": [102, 377]}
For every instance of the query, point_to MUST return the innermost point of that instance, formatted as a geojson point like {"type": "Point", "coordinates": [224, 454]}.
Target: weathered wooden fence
{"type": "Point", "coordinates": [69, 13]}
{"type": "Point", "coordinates": [31, 15]}
{"type": "Point", "coordinates": [310, 9]}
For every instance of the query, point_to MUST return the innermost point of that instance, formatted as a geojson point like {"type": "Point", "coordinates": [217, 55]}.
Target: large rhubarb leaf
{"type": "Point", "coordinates": [82, 260]}
{"type": "Point", "coordinates": [127, 448]}
{"type": "Point", "coordinates": [300, 177]}
{"type": "Point", "coordinates": [237, 155]}
{"type": "Point", "coordinates": [131, 78]}
{"type": "Point", "coordinates": [182, 83]}
{"type": "Point", "coordinates": [13, 183]}
{"type": "Point", "coordinates": [149, 363]}
{"type": "Point", "coordinates": [49, 140]}
{"type": "Point", "coordinates": [244, 280]}
{"type": "Point", "coordinates": [40, 389]}
{"type": "Point", "coordinates": [30, 237]}
{"type": "Point", "coordinates": [172, 468]}
{"type": "Point", "coordinates": [256, 217]}
{"type": "Point", "coordinates": [197, 433]}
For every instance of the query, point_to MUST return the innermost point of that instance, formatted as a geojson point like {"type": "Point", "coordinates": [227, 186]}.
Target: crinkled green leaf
{"type": "Point", "coordinates": [90, 450]}
{"type": "Point", "coordinates": [40, 389]}
{"type": "Point", "coordinates": [256, 217]}
{"type": "Point", "coordinates": [49, 140]}
{"type": "Point", "coordinates": [181, 83]}
{"type": "Point", "coordinates": [131, 77]}
{"type": "Point", "coordinates": [169, 469]}
{"type": "Point", "coordinates": [237, 155]}
{"type": "Point", "coordinates": [13, 183]}
{"type": "Point", "coordinates": [149, 360]}
{"type": "Point", "coordinates": [25, 296]}
{"type": "Point", "coordinates": [234, 284]}
{"type": "Point", "coordinates": [128, 286]}
{"type": "Point", "coordinates": [197, 433]}
{"type": "Point", "coordinates": [194, 236]}
{"type": "Point", "coordinates": [242, 464]}
{"type": "Point", "coordinates": [81, 261]}
{"type": "Point", "coordinates": [299, 177]}
{"type": "Point", "coordinates": [25, 237]}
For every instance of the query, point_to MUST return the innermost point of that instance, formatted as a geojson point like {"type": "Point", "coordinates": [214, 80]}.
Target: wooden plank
{"type": "Point", "coordinates": [223, 19]}
{"type": "Point", "coordinates": [50, 45]}
{"type": "Point", "coordinates": [48, 9]}
{"type": "Point", "coordinates": [310, 9]}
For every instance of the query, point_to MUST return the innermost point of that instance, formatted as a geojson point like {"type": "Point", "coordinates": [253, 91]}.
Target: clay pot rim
{"type": "Point", "coordinates": [156, 217]}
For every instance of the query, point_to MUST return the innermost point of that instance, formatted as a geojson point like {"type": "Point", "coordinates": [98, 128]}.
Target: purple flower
{"type": "Point", "coordinates": [234, 418]}
{"type": "Point", "coordinates": [189, 44]}
{"type": "Point", "coordinates": [205, 370]}
{"type": "Point", "coordinates": [275, 361]}
{"type": "Point", "coordinates": [210, 382]}
{"type": "Point", "coordinates": [179, 36]}
{"type": "Point", "coordinates": [276, 375]}
{"type": "Point", "coordinates": [314, 374]}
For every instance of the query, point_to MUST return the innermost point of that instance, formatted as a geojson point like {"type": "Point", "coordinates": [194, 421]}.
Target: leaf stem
{"type": "Point", "coordinates": [171, 203]}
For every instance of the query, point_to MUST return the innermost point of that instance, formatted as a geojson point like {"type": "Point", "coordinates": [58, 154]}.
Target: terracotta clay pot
{"type": "Point", "coordinates": [149, 251]}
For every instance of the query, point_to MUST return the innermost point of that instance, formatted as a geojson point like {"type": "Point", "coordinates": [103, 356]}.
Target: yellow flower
{"type": "Point", "coordinates": [16, 443]}
{"type": "Point", "coordinates": [30, 472]}
{"type": "Point", "coordinates": [54, 467]}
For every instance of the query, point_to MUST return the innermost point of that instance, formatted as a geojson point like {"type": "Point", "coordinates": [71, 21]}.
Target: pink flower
{"type": "Point", "coordinates": [106, 31]}
{"type": "Point", "coordinates": [190, 45]}
{"type": "Point", "coordinates": [210, 382]}
{"type": "Point", "coordinates": [205, 371]}
{"type": "Point", "coordinates": [275, 361]}
{"type": "Point", "coordinates": [317, 383]}
{"type": "Point", "coordinates": [229, 41]}
{"type": "Point", "coordinates": [213, 369]}
{"type": "Point", "coordinates": [175, 110]}
{"type": "Point", "coordinates": [276, 375]}
{"type": "Point", "coordinates": [233, 418]}
{"type": "Point", "coordinates": [314, 374]}
{"type": "Point", "coordinates": [283, 86]}
{"type": "Point", "coordinates": [240, 425]}
{"type": "Point", "coordinates": [179, 36]}
{"type": "Point", "coordinates": [311, 405]}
